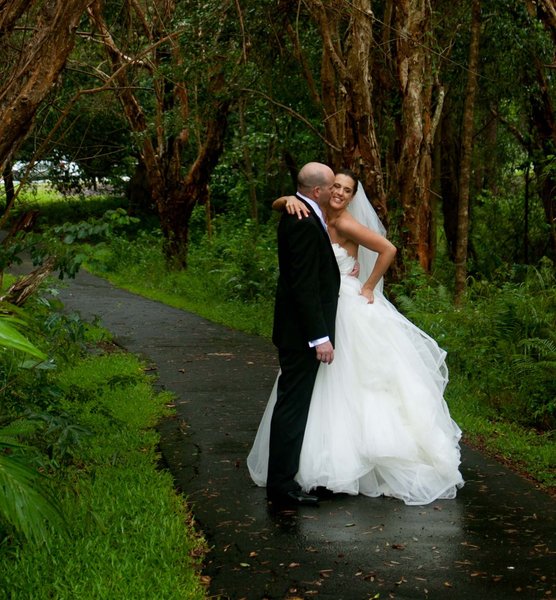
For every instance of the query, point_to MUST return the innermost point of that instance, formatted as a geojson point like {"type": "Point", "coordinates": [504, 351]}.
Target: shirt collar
{"type": "Point", "coordinates": [315, 207]}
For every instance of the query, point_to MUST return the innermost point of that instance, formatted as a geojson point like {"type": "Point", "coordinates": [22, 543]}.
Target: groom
{"type": "Point", "coordinates": [304, 317]}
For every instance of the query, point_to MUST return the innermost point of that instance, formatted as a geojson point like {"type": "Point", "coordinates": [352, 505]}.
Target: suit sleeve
{"type": "Point", "coordinates": [305, 244]}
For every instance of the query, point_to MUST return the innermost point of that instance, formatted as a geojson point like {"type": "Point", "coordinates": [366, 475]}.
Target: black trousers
{"type": "Point", "coordinates": [295, 387]}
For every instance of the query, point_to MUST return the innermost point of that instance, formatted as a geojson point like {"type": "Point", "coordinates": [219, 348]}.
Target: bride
{"type": "Point", "coordinates": [378, 423]}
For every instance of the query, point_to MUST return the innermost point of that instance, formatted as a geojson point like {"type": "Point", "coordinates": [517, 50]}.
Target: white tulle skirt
{"type": "Point", "coordinates": [378, 423]}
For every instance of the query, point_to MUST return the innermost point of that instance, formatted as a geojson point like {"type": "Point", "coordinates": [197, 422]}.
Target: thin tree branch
{"type": "Point", "coordinates": [296, 115]}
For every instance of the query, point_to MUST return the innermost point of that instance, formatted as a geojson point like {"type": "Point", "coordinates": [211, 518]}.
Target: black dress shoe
{"type": "Point", "coordinates": [301, 497]}
{"type": "Point", "coordinates": [294, 497]}
{"type": "Point", "coordinates": [322, 493]}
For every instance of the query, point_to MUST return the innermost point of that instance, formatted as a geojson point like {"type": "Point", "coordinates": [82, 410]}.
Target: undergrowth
{"type": "Point", "coordinates": [78, 447]}
{"type": "Point", "coordinates": [125, 534]}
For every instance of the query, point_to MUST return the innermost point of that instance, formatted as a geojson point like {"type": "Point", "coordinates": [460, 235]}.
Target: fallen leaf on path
{"type": "Point", "coordinates": [398, 546]}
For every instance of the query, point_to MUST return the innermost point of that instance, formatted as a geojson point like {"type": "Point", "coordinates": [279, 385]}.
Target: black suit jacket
{"type": "Point", "coordinates": [308, 283]}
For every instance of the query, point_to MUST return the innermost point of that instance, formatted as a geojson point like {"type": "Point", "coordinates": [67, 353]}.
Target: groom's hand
{"type": "Point", "coordinates": [356, 269]}
{"type": "Point", "coordinates": [325, 352]}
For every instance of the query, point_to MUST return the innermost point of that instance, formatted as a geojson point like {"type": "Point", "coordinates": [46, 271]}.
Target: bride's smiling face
{"type": "Point", "coordinates": [342, 192]}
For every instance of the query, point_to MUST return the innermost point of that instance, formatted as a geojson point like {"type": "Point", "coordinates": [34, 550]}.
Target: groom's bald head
{"type": "Point", "coordinates": [314, 177]}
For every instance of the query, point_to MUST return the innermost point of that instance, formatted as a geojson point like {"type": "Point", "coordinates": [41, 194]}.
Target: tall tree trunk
{"type": "Point", "coordinates": [466, 154]}
{"type": "Point", "coordinates": [346, 95]}
{"type": "Point", "coordinates": [361, 150]}
{"type": "Point", "coordinates": [176, 197]}
{"type": "Point", "coordinates": [175, 190]}
{"type": "Point", "coordinates": [247, 163]}
{"type": "Point", "coordinates": [544, 122]}
{"type": "Point", "coordinates": [412, 20]}
{"type": "Point", "coordinates": [449, 181]}
{"type": "Point", "coordinates": [37, 68]}
{"type": "Point", "coordinates": [8, 176]}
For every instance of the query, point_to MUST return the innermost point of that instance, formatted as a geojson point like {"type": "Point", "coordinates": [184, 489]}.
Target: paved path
{"type": "Point", "coordinates": [495, 541]}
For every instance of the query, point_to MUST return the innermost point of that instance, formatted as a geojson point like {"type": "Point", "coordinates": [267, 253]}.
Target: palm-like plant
{"type": "Point", "coordinates": [24, 501]}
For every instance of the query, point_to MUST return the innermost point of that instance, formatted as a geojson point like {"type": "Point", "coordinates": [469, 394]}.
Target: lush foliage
{"type": "Point", "coordinates": [502, 341]}
{"type": "Point", "coordinates": [83, 507]}
{"type": "Point", "coordinates": [81, 223]}
{"type": "Point", "coordinates": [501, 348]}
{"type": "Point", "coordinates": [230, 279]}
{"type": "Point", "coordinates": [54, 208]}
{"type": "Point", "coordinates": [125, 535]}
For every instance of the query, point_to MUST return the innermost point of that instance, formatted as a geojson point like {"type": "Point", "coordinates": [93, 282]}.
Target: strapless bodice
{"type": "Point", "coordinates": [344, 260]}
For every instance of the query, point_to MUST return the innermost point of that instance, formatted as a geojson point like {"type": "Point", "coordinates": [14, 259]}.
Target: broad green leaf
{"type": "Point", "coordinates": [10, 337]}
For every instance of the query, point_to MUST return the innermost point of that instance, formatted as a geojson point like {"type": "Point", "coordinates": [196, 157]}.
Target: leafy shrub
{"type": "Point", "coordinates": [502, 341]}
{"type": "Point", "coordinates": [242, 258]}
{"type": "Point", "coordinates": [36, 434]}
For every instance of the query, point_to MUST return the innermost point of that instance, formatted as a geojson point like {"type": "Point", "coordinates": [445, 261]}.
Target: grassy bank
{"type": "Point", "coordinates": [127, 534]}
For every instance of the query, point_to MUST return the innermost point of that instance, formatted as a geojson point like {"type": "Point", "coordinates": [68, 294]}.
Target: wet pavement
{"type": "Point", "coordinates": [495, 541]}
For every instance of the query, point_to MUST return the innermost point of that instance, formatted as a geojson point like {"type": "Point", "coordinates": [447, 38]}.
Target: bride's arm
{"type": "Point", "coordinates": [361, 235]}
{"type": "Point", "coordinates": [292, 205]}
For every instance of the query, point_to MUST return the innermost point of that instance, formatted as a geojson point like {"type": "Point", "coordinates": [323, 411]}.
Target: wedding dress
{"type": "Point", "coordinates": [378, 423]}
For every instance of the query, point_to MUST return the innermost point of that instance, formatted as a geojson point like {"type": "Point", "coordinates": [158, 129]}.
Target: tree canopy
{"type": "Point", "coordinates": [445, 110]}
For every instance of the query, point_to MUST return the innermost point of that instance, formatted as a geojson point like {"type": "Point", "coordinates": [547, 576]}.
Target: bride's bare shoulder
{"type": "Point", "coordinates": [345, 221]}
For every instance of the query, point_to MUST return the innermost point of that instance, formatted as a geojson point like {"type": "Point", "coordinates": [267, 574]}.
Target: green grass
{"type": "Point", "coordinates": [254, 319]}
{"type": "Point", "coordinates": [527, 451]}
{"type": "Point", "coordinates": [130, 535]}
{"type": "Point", "coordinates": [55, 208]}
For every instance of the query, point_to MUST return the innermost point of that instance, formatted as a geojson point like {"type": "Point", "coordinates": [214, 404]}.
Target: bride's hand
{"type": "Point", "coordinates": [291, 205]}
{"type": "Point", "coordinates": [294, 206]}
{"type": "Point", "coordinates": [369, 294]}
